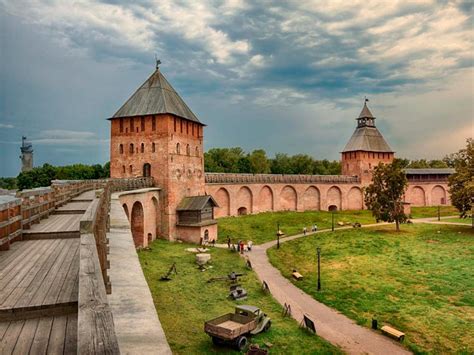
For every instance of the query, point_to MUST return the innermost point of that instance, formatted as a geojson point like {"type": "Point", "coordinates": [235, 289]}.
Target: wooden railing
{"type": "Point", "coordinates": [10, 220]}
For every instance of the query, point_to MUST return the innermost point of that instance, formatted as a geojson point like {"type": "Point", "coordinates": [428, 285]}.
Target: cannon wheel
{"type": "Point", "coordinates": [267, 326]}
{"type": "Point", "coordinates": [241, 342]}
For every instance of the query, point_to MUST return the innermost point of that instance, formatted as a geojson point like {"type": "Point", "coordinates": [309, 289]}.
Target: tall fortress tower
{"type": "Point", "coordinates": [156, 134]}
{"type": "Point", "coordinates": [26, 155]}
{"type": "Point", "coordinates": [365, 149]}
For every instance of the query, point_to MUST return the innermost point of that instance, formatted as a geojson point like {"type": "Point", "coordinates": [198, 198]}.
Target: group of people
{"type": "Point", "coordinates": [314, 228]}
{"type": "Point", "coordinates": [241, 246]}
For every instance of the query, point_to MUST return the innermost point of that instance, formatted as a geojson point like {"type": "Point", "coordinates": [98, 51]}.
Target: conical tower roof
{"type": "Point", "coordinates": [365, 113]}
{"type": "Point", "coordinates": [367, 137]}
{"type": "Point", "coordinates": [156, 96]}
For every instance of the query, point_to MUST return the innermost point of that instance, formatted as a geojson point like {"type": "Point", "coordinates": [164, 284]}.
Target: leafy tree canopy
{"type": "Point", "coordinates": [384, 195]}
{"type": "Point", "coordinates": [461, 183]}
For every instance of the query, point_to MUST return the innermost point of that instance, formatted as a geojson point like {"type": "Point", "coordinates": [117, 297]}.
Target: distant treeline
{"type": "Point", "coordinates": [42, 176]}
{"type": "Point", "coordinates": [236, 160]}
{"type": "Point", "coordinates": [217, 160]}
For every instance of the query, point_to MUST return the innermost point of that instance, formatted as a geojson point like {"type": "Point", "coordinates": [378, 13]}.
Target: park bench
{"type": "Point", "coordinates": [297, 275]}
{"type": "Point", "coordinates": [392, 332]}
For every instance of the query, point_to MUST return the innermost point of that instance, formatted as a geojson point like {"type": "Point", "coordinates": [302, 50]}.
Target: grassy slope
{"type": "Point", "coordinates": [467, 221]}
{"type": "Point", "coordinates": [419, 281]}
{"type": "Point", "coordinates": [432, 211]}
{"type": "Point", "coordinates": [184, 303]}
{"type": "Point", "coordinates": [261, 228]}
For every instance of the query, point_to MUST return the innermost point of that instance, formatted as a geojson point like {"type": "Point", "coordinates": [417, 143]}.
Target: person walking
{"type": "Point", "coordinates": [304, 231]}
{"type": "Point", "coordinates": [249, 245]}
{"type": "Point", "coordinates": [241, 247]}
{"type": "Point", "coordinates": [228, 242]}
{"type": "Point", "coordinates": [315, 227]}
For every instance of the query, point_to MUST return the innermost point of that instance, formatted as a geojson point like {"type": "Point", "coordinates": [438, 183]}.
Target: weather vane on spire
{"type": "Point", "coordinates": [158, 62]}
{"type": "Point", "coordinates": [366, 99]}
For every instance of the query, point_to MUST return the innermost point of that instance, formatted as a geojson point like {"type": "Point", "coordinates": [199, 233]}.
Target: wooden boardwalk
{"type": "Point", "coordinates": [39, 279]}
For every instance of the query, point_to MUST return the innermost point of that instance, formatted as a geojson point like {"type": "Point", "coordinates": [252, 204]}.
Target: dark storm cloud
{"type": "Point", "coordinates": [295, 70]}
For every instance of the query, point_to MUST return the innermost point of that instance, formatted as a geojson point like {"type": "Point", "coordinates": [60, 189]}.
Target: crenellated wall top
{"type": "Point", "coordinates": [226, 178]}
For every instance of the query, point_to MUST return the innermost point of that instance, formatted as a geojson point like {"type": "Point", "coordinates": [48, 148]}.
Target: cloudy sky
{"type": "Point", "coordinates": [285, 76]}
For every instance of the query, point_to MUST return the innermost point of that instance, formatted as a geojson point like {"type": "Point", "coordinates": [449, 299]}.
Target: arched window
{"type": "Point", "coordinates": [178, 148]}
{"type": "Point", "coordinates": [121, 148]}
{"type": "Point", "coordinates": [142, 148]}
{"type": "Point", "coordinates": [121, 125]}
{"type": "Point", "coordinates": [197, 151]}
{"type": "Point", "coordinates": [123, 169]}
{"type": "Point", "coordinates": [130, 169]}
{"type": "Point", "coordinates": [131, 148]}
{"type": "Point", "coordinates": [188, 150]}
{"type": "Point", "coordinates": [153, 123]}
{"type": "Point", "coordinates": [152, 147]}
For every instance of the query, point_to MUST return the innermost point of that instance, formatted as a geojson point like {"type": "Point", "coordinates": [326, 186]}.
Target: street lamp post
{"type": "Point", "coordinates": [439, 213]}
{"type": "Point", "coordinates": [318, 250]}
{"type": "Point", "coordinates": [332, 228]}
{"type": "Point", "coordinates": [278, 236]}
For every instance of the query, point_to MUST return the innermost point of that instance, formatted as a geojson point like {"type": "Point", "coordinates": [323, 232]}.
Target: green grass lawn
{"type": "Point", "coordinates": [467, 221]}
{"type": "Point", "coordinates": [432, 211]}
{"type": "Point", "coordinates": [186, 302]}
{"type": "Point", "coordinates": [262, 227]}
{"type": "Point", "coordinates": [418, 280]}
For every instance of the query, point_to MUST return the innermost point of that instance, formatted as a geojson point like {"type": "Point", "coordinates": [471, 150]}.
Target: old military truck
{"type": "Point", "coordinates": [234, 328]}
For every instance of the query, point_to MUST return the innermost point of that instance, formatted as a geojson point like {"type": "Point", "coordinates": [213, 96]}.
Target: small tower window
{"type": "Point", "coordinates": [121, 148]}
{"type": "Point", "coordinates": [121, 125]}
{"type": "Point", "coordinates": [153, 123]}
{"type": "Point", "coordinates": [123, 169]}
{"type": "Point", "coordinates": [178, 148]}
{"type": "Point", "coordinates": [197, 151]}
{"type": "Point", "coordinates": [132, 126]}
{"type": "Point", "coordinates": [131, 148]}
{"type": "Point", "coordinates": [130, 169]}
{"type": "Point", "coordinates": [153, 147]}
{"type": "Point", "coordinates": [174, 120]}
{"type": "Point", "coordinates": [142, 148]}
{"type": "Point", "coordinates": [142, 123]}
{"type": "Point", "coordinates": [188, 150]}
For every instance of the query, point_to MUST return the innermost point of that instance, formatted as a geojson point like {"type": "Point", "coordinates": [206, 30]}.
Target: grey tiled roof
{"type": "Point", "coordinates": [367, 138]}
{"type": "Point", "coordinates": [439, 171]}
{"type": "Point", "coordinates": [195, 203]}
{"type": "Point", "coordinates": [156, 96]}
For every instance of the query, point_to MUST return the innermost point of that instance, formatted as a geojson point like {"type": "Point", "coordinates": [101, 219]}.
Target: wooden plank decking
{"type": "Point", "coordinates": [39, 285]}
{"type": "Point", "coordinates": [55, 226]}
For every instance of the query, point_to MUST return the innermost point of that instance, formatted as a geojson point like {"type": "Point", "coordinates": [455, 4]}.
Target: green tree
{"type": "Point", "coordinates": [301, 164]}
{"type": "Point", "coordinates": [461, 183]}
{"type": "Point", "coordinates": [281, 164]}
{"type": "Point", "coordinates": [259, 163]}
{"type": "Point", "coordinates": [384, 195]}
{"type": "Point", "coordinates": [8, 183]}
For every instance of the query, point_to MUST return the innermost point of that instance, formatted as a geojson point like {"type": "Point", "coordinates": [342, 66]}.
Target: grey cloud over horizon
{"type": "Point", "coordinates": [287, 77]}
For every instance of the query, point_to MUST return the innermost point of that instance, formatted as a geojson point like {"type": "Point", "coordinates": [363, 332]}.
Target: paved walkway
{"type": "Point", "coordinates": [442, 221]}
{"type": "Point", "coordinates": [330, 324]}
{"type": "Point", "coordinates": [137, 326]}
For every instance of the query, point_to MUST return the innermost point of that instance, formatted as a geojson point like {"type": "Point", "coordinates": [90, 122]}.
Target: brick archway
{"type": "Point", "coordinates": [156, 216]}
{"type": "Point", "coordinates": [288, 198]}
{"type": "Point", "coordinates": [354, 199]}
{"type": "Point", "coordinates": [438, 195]}
{"type": "Point", "coordinates": [418, 197]}
{"type": "Point", "coordinates": [223, 200]}
{"type": "Point", "coordinates": [311, 199]}
{"type": "Point", "coordinates": [125, 208]}
{"type": "Point", "coordinates": [334, 197]}
{"type": "Point", "coordinates": [244, 199]}
{"type": "Point", "coordinates": [137, 224]}
{"type": "Point", "coordinates": [264, 201]}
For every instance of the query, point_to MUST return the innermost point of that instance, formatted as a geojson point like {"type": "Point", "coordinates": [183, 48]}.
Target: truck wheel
{"type": "Point", "coordinates": [267, 326]}
{"type": "Point", "coordinates": [217, 341]}
{"type": "Point", "coordinates": [241, 342]}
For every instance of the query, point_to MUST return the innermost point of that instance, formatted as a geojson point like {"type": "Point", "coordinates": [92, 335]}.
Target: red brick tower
{"type": "Point", "coordinates": [156, 134]}
{"type": "Point", "coordinates": [366, 148]}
